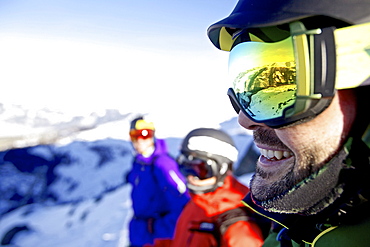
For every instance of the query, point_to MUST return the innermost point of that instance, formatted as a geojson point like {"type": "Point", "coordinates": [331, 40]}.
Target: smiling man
{"type": "Point", "coordinates": [299, 78]}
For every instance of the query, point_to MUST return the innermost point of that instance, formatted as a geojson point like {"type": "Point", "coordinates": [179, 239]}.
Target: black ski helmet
{"type": "Point", "coordinates": [268, 13]}
{"type": "Point", "coordinates": [320, 68]}
{"type": "Point", "coordinates": [212, 145]}
{"type": "Point", "coordinates": [140, 123]}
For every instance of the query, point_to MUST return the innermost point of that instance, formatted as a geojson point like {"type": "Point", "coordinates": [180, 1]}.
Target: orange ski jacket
{"type": "Point", "coordinates": [198, 222]}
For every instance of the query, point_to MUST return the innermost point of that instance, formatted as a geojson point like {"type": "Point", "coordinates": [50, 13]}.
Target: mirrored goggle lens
{"type": "Point", "coordinates": [141, 134]}
{"type": "Point", "coordinates": [263, 77]}
{"type": "Point", "coordinates": [196, 167]}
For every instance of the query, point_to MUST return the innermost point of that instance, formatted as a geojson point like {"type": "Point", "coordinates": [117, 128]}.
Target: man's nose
{"type": "Point", "coordinates": [247, 123]}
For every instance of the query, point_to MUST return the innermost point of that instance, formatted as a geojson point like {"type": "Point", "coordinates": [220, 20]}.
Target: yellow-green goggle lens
{"type": "Point", "coordinates": [263, 77]}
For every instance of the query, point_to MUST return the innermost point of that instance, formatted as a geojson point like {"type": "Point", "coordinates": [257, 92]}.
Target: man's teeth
{"type": "Point", "coordinates": [270, 154]}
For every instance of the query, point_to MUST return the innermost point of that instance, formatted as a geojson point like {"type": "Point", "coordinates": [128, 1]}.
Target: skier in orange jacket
{"type": "Point", "coordinates": [215, 215]}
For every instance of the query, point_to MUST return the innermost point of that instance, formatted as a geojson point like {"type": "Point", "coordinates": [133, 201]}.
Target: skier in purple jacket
{"type": "Point", "coordinates": [159, 191]}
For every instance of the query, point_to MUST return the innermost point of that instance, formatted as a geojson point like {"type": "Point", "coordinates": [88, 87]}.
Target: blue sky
{"type": "Point", "coordinates": [113, 21]}
{"type": "Point", "coordinates": [135, 56]}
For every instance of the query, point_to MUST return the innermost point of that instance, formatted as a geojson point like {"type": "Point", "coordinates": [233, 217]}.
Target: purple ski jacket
{"type": "Point", "coordinates": [158, 196]}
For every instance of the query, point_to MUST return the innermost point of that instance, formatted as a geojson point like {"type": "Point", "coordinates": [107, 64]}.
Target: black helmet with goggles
{"type": "Point", "coordinates": [288, 58]}
{"type": "Point", "coordinates": [207, 153]}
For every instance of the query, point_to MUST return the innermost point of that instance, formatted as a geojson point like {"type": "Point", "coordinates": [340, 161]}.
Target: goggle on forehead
{"type": "Point", "coordinates": [280, 82]}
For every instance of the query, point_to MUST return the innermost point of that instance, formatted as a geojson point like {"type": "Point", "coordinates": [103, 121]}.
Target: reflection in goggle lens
{"type": "Point", "coordinates": [141, 134]}
{"type": "Point", "coordinates": [196, 167]}
{"type": "Point", "coordinates": [264, 78]}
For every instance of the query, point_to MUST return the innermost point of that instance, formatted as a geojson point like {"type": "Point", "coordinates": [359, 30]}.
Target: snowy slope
{"type": "Point", "coordinates": [73, 193]}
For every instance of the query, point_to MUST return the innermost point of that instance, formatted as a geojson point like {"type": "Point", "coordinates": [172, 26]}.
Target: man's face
{"type": "Point", "coordinates": [295, 152]}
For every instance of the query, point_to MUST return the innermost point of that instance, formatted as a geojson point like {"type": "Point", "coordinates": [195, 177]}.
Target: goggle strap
{"type": "Point", "coordinates": [353, 56]}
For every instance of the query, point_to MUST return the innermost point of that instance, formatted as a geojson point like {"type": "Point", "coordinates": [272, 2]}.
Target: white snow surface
{"type": "Point", "coordinates": [93, 206]}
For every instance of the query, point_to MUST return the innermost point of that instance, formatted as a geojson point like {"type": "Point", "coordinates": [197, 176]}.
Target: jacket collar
{"type": "Point", "coordinates": [348, 208]}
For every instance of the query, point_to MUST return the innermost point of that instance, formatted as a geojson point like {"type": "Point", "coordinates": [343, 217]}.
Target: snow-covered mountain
{"type": "Point", "coordinates": [70, 190]}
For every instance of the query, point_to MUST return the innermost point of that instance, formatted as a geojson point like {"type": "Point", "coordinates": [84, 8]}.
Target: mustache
{"type": "Point", "coordinates": [268, 137]}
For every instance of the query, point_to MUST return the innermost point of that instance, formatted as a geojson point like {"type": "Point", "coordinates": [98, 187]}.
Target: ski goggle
{"type": "Point", "coordinates": [278, 83]}
{"type": "Point", "coordinates": [141, 134]}
{"type": "Point", "coordinates": [198, 167]}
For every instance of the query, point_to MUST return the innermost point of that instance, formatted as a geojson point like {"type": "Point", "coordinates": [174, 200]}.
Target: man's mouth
{"type": "Point", "coordinates": [274, 155]}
